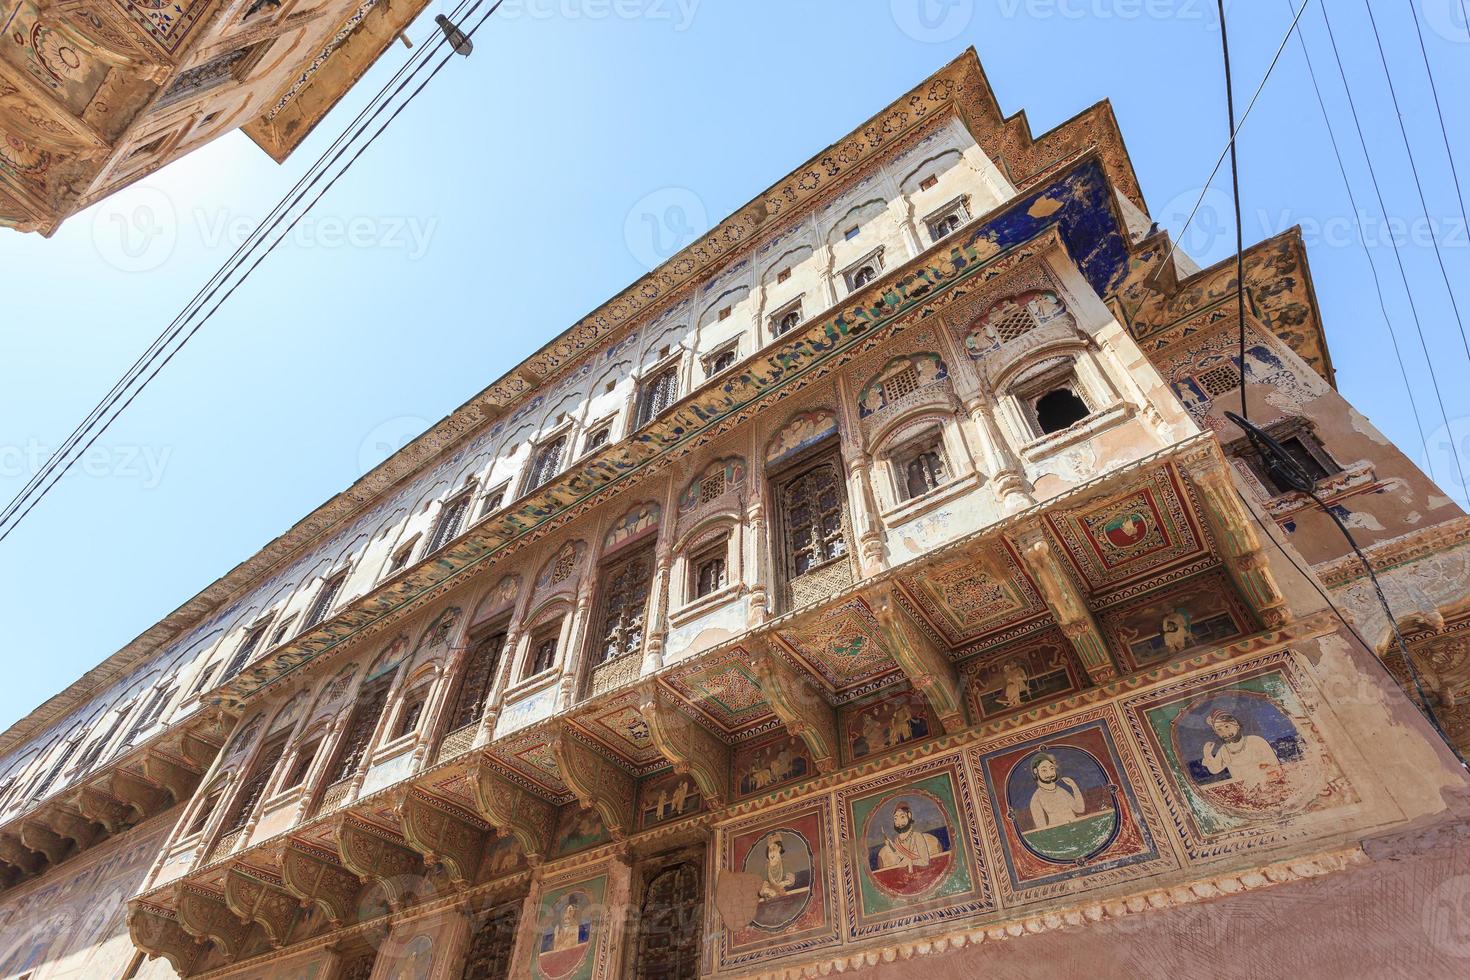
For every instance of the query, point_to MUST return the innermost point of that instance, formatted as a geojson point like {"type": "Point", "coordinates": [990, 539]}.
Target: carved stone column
{"type": "Point", "coordinates": [870, 525]}
{"type": "Point", "coordinates": [573, 629]}
{"type": "Point", "coordinates": [1006, 474]}
{"type": "Point", "coordinates": [1068, 606]}
{"type": "Point", "coordinates": [658, 619]}
{"type": "Point", "coordinates": [759, 607]}
{"type": "Point", "coordinates": [445, 677]}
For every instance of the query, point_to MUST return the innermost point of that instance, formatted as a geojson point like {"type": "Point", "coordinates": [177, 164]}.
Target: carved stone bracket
{"type": "Point", "coordinates": [43, 840]}
{"type": "Point", "coordinates": [512, 809]}
{"type": "Point", "coordinates": [144, 795]}
{"type": "Point", "coordinates": [203, 914]}
{"type": "Point", "coordinates": [174, 775]}
{"type": "Point", "coordinates": [197, 750]}
{"type": "Point", "coordinates": [314, 877]}
{"type": "Point", "coordinates": [1066, 602]}
{"type": "Point", "coordinates": [927, 667]}
{"type": "Point", "coordinates": [112, 813]}
{"type": "Point", "coordinates": [157, 932]}
{"type": "Point", "coordinates": [257, 896]}
{"type": "Point", "coordinates": [71, 825]}
{"type": "Point", "coordinates": [598, 782]}
{"type": "Point", "coordinates": [692, 748]}
{"type": "Point", "coordinates": [1235, 535]}
{"type": "Point", "coordinates": [16, 854]}
{"type": "Point", "coordinates": [378, 854]}
{"type": "Point", "coordinates": [798, 700]}
{"type": "Point", "coordinates": [444, 835]}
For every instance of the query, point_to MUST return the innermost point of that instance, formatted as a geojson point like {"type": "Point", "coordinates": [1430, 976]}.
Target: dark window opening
{"type": "Point", "coordinates": [543, 652]}
{"type": "Point", "coordinates": [412, 711]}
{"type": "Point", "coordinates": [324, 599]}
{"type": "Point", "coordinates": [360, 726]}
{"type": "Point", "coordinates": [301, 765]}
{"type": "Point", "coordinates": [547, 462]}
{"type": "Point", "coordinates": [659, 394]}
{"type": "Point", "coordinates": [254, 787]}
{"type": "Point", "coordinates": [624, 606]}
{"type": "Point", "coordinates": [447, 528]}
{"type": "Point", "coordinates": [1059, 409]}
{"type": "Point", "coordinates": [709, 571]}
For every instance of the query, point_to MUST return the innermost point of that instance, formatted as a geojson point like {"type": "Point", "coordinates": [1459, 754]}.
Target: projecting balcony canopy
{"type": "Point", "coordinates": [929, 624]}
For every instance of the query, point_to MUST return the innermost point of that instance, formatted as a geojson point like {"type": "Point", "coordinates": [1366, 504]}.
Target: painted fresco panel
{"type": "Point", "coordinates": [1022, 676]}
{"type": "Point", "coordinates": [776, 885]}
{"type": "Point", "coordinates": [1062, 805]}
{"type": "Point", "coordinates": [577, 830]}
{"type": "Point", "coordinates": [667, 797]}
{"type": "Point", "coordinates": [570, 940]}
{"type": "Point", "coordinates": [1238, 757]}
{"type": "Point", "coordinates": [883, 723]}
{"type": "Point", "coordinates": [768, 763]}
{"type": "Point", "coordinates": [1198, 612]}
{"type": "Point", "coordinates": [911, 857]}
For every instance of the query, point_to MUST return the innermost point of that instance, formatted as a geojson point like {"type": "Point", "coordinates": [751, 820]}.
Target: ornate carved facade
{"type": "Point", "coordinates": [95, 94]}
{"type": "Point", "coordinates": [949, 620]}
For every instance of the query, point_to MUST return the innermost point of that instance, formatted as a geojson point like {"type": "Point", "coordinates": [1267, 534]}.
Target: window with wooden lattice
{"type": "Point", "coordinates": [301, 764]}
{"type": "Point", "coordinates": [1011, 321]}
{"type": "Point", "coordinates": [658, 395]}
{"type": "Point", "coordinates": [451, 519]}
{"type": "Point", "coordinates": [669, 924]}
{"type": "Point", "coordinates": [253, 788]}
{"type": "Point", "coordinates": [476, 680]}
{"type": "Point", "coordinates": [488, 957]}
{"type": "Point", "coordinates": [248, 646]}
{"type": "Point", "coordinates": [546, 463]}
{"type": "Point", "coordinates": [324, 599]}
{"type": "Point", "coordinates": [412, 710]}
{"type": "Point", "coordinates": [624, 607]}
{"type": "Point", "coordinates": [813, 529]}
{"type": "Point", "coordinates": [360, 726]}
{"type": "Point", "coordinates": [712, 486]}
{"type": "Point", "coordinates": [904, 382]}
{"type": "Point", "coordinates": [1219, 380]}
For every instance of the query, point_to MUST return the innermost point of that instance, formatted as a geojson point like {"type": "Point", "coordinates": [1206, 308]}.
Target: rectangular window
{"type": "Point", "coordinates": [720, 360]}
{"type": "Point", "coordinates": [247, 649]}
{"type": "Point", "coordinates": [202, 815]}
{"type": "Point", "coordinates": [920, 467]}
{"type": "Point", "coordinates": [412, 711]}
{"type": "Point", "coordinates": [543, 651]}
{"type": "Point", "coordinates": [324, 599]}
{"type": "Point", "coordinates": [450, 519]}
{"type": "Point", "coordinates": [709, 570]}
{"type": "Point", "coordinates": [784, 274]}
{"type": "Point", "coordinates": [725, 312]}
{"type": "Point", "coordinates": [282, 632]}
{"type": "Point", "coordinates": [494, 500]}
{"type": "Point", "coordinates": [546, 463]}
{"type": "Point", "coordinates": [301, 765]}
{"type": "Point", "coordinates": [659, 394]}
{"type": "Point", "coordinates": [598, 438]}
{"type": "Point", "coordinates": [401, 557]}
{"type": "Point", "coordinates": [852, 232]}
{"type": "Point", "coordinates": [864, 271]}
{"type": "Point", "coordinates": [928, 182]}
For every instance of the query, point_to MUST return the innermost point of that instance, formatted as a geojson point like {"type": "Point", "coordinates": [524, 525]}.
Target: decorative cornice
{"type": "Point", "coordinates": [1395, 552]}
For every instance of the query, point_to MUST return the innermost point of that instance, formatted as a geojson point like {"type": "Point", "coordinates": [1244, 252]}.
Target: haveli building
{"type": "Point", "coordinates": [876, 586]}
{"type": "Point", "coordinates": [96, 94]}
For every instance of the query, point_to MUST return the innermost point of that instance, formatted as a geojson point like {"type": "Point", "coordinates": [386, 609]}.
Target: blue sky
{"type": "Point", "coordinates": [581, 141]}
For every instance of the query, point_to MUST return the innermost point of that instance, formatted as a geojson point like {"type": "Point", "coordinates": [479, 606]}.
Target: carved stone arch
{"type": "Point", "coordinates": [638, 522]}
{"type": "Point", "coordinates": [861, 211]}
{"type": "Point", "coordinates": [780, 262]}
{"type": "Point", "coordinates": [905, 381]}
{"type": "Point", "coordinates": [728, 520]}
{"type": "Point", "coordinates": [799, 433]}
{"type": "Point", "coordinates": [909, 183]}
{"type": "Point", "coordinates": [905, 426]}
{"type": "Point", "coordinates": [598, 782]}
{"type": "Point", "coordinates": [289, 712]}
{"type": "Point", "coordinates": [1031, 365]}
{"type": "Point", "coordinates": [375, 853]}
{"type": "Point", "coordinates": [255, 895]}
{"type": "Point", "coordinates": [444, 835]}
{"type": "Point", "coordinates": [562, 568]}
{"type": "Point", "coordinates": [157, 932]}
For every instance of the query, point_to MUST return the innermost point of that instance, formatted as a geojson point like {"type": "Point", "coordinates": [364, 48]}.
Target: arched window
{"type": "Point", "coordinates": [360, 726]}
{"type": "Point", "coordinates": [248, 646]}
{"type": "Point", "coordinates": [658, 395]}
{"type": "Point", "coordinates": [813, 546]}
{"type": "Point", "coordinates": [451, 519]}
{"type": "Point", "coordinates": [253, 788]}
{"type": "Point", "coordinates": [324, 599]}
{"type": "Point", "coordinates": [546, 463]}
{"type": "Point", "coordinates": [624, 605]}
{"type": "Point", "coordinates": [863, 275]}
{"type": "Point", "coordinates": [669, 925]}
{"type": "Point", "coordinates": [788, 322]}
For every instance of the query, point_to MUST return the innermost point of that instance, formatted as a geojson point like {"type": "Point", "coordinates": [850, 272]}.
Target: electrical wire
{"type": "Point", "coordinates": [1290, 472]}
{"type": "Point", "coordinates": [1418, 185]}
{"type": "Point", "coordinates": [1235, 189]}
{"type": "Point", "coordinates": [61, 466]}
{"type": "Point", "coordinates": [1363, 242]}
{"type": "Point", "coordinates": [1439, 112]}
{"type": "Point", "coordinates": [1398, 259]}
{"type": "Point", "coordinates": [252, 241]}
{"type": "Point", "coordinates": [1235, 131]}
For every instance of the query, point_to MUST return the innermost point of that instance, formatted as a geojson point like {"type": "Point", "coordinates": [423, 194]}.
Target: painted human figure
{"type": "Point", "coordinates": [568, 931]}
{"type": "Point", "coordinates": [778, 879]}
{"type": "Point", "coordinates": [1018, 685]}
{"type": "Point", "coordinates": [1177, 631]}
{"type": "Point", "coordinates": [1250, 758]}
{"type": "Point", "coordinates": [1057, 799]}
{"type": "Point", "coordinates": [909, 847]}
{"type": "Point", "coordinates": [681, 796]}
{"type": "Point", "coordinates": [900, 725]}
